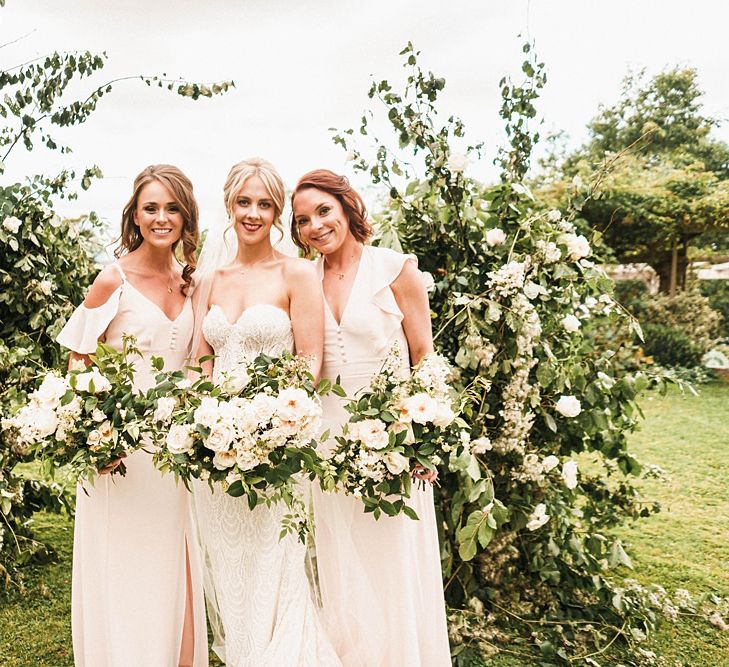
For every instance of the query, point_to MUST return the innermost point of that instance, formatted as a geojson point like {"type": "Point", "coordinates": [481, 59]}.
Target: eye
{"type": "Point", "coordinates": [174, 209]}
{"type": "Point", "coordinates": [301, 222]}
{"type": "Point", "coordinates": [242, 202]}
{"type": "Point", "coordinates": [265, 204]}
{"type": "Point", "coordinates": [150, 209]}
{"type": "Point", "coordinates": [324, 210]}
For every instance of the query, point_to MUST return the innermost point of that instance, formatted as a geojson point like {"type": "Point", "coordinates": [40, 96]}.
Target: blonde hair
{"type": "Point", "coordinates": [256, 166]}
{"type": "Point", "coordinates": [181, 188]}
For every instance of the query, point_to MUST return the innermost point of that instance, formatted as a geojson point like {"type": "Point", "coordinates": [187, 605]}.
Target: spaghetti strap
{"type": "Point", "coordinates": [118, 267]}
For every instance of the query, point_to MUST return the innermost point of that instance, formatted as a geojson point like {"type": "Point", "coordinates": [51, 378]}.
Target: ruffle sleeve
{"type": "Point", "coordinates": [84, 328]}
{"type": "Point", "coordinates": [386, 267]}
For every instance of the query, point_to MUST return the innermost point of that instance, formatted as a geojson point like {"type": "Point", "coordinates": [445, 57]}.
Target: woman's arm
{"type": "Point", "coordinates": [306, 309]}
{"type": "Point", "coordinates": [104, 285]}
{"type": "Point", "coordinates": [412, 299]}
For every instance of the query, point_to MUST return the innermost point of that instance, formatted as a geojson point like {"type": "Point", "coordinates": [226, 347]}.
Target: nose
{"type": "Point", "coordinates": [161, 215]}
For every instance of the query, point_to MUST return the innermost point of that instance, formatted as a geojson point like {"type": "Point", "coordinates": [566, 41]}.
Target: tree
{"type": "Point", "coordinates": [671, 181]}
{"type": "Point", "coordinates": [46, 262]}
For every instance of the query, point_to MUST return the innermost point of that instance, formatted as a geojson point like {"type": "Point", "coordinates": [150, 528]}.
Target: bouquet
{"type": "Point", "coordinates": [249, 434]}
{"type": "Point", "coordinates": [84, 420]}
{"type": "Point", "coordinates": [398, 426]}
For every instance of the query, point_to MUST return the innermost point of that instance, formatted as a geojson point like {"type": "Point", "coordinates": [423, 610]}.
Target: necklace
{"type": "Point", "coordinates": [167, 284]}
{"type": "Point", "coordinates": [341, 275]}
{"type": "Point", "coordinates": [245, 269]}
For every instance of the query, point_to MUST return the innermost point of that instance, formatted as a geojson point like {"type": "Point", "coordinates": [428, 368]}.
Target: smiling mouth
{"type": "Point", "coordinates": [250, 226]}
{"type": "Point", "coordinates": [160, 230]}
{"type": "Point", "coordinates": [322, 237]}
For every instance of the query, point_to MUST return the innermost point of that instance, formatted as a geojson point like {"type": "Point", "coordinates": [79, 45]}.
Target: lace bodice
{"type": "Point", "coordinates": [262, 328]}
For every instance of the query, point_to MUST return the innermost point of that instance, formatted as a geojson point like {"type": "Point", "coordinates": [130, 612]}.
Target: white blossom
{"type": "Point", "coordinates": [495, 236]}
{"type": "Point", "coordinates": [46, 286]}
{"type": "Point", "coordinates": [12, 224]}
{"type": "Point", "coordinates": [538, 517]}
{"type": "Point", "coordinates": [165, 407]}
{"type": "Point", "coordinates": [569, 474]}
{"type": "Point", "coordinates": [179, 440]}
{"type": "Point", "coordinates": [457, 162]}
{"type": "Point", "coordinates": [481, 445]}
{"type": "Point", "coordinates": [220, 437]}
{"type": "Point", "coordinates": [207, 413]}
{"type": "Point", "coordinates": [419, 408]}
{"type": "Point", "coordinates": [225, 459]}
{"type": "Point", "coordinates": [550, 462]}
{"type": "Point", "coordinates": [577, 246]}
{"type": "Point", "coordinates": [396, 462]}
{"type": "Point", "coordinates": [568, 406]}
{"type": "Point", "coordinates": [571, 323]}
{"type": "Point", "coordinates": [371, 432]}
{"type": "Point", "coordinates": [100, 382]}
{"type": "Point", "coordinates": [554, 215]}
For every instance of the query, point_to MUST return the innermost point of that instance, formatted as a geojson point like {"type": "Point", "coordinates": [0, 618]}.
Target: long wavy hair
{"type": "Point", "coordinates": [241, 172]}
{"type": "Point", "coordinates": [337, 186]}
{"type": "Point", "coordinates": [181, 188]}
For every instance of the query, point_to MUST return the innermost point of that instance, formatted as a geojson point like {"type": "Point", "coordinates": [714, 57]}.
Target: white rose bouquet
{"type": "Point", "coordinates": [398, 426]}
{"type": "Point", "coordinates": [84, 420]}
{"type": "Point", "coordinates": [249, 434]}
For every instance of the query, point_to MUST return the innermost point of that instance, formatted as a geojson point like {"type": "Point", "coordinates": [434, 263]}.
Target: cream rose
{"type": "Point", "coordinates": [179, 440]}
{"type": "Point", "coordinates": [495, 236]}
{"type": "Point", "coordinates": [208, 412]}
{"type": "Point", "coordinates": [223, 460]}
{"type": "Point", "coordinates": [165, 408]}
{"type": "Point", "coordinates": [372, 433]}
{"type": "Point", "coordinates": [571, 323]}
{"type": "Point", "coordinates": [12, 224]}
{"type": "Point", "coordinates": [457, 163]}
{"type": "Point", "coordinates": [569, 474]}
{"type": "Point", "coordinates": [395, 462]}
{"type": "Point", "coordinates": [419, 408]}
{"type": "Point", "coordinates": [221, 435]}
{"type": "Point", "coordinates": [568, 406]}
{"type": "Point", "coordinates": [538, 517]}
{"type": "Point", "coordinates": [85, 380]}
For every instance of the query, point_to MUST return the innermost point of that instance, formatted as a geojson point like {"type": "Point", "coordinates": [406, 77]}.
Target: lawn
{"type": "Point", "coordinates": [685, 546]}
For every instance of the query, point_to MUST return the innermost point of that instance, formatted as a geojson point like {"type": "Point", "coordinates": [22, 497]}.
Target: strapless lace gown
{"type": "Point", "coordinates": [260, 606]}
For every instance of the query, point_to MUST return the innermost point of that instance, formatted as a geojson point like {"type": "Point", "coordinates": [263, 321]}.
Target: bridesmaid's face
{"type": "Point", "coordinates": [321, 220]}
{"type": "Point", "coordinates": [158, 215]}
{"type": "Point", "coordinates": [253, 212]}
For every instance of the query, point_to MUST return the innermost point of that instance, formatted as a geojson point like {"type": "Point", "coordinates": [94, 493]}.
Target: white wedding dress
{"type": "Point", "coordinates": [259, 597]}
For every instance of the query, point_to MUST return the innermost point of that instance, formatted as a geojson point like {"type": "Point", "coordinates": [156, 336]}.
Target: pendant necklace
{"type": "Point", "coordinates": [349, 266]}
{"type": "Point", "coordinates": [245, 269]}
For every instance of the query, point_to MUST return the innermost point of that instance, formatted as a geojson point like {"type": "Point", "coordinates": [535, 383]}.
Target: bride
{"type": "Point", "coordinates": [256, 300]}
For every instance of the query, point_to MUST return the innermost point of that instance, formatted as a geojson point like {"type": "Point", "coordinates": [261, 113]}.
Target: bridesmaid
{"type": "Point", "coordinates": [137, 593]}
{"type": "Point", "coordinates": [381, 584]}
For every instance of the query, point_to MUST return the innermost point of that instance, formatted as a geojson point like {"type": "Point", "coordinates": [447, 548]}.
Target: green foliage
{"type": "Point", "coordinates": [519, 309]}
{"type": "Point", "coordinates": [670, 346]}
{"type": "Point", "coordinates": [717, 292]}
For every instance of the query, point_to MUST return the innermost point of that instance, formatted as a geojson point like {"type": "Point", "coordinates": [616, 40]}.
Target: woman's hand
{"type": "Point", "coordinates": [107, 470]}
{"type": "Point", "coordinates": [422, 474]}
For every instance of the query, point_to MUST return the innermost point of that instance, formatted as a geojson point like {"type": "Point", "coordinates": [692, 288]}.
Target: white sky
{"type": "Point", "coordinates": [303, 67]}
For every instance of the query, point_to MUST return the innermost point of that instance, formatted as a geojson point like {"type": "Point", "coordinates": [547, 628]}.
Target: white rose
{"type": "Point", "coordinates": [246, 459]}
{"type": "Point", "coordinates": [577, 246]}
{"type": "Point", "coordinates": [165, 407]}
{"type": "Point", "coordinates": [100, 382]}
{"type": "Point", "coordinates": [419, 408]}
{"type": "Point", "coordinates": [98, 415]}
{"type": "Point", "coordinates": [395, 462]}
{"type": "Point", "coordinates": [180, 440]}
{"type": "Point", "coordinates": [51, 390]}
{"type": "Point", "coordinates": [481, 445]}
{"type": "Point", "coordinates": [372, 433]}
{"type": "Point", "coordinates": [532, 290]}
{"type": "Point", "coordinates": [571, 323]}
{"type": "Point", "coordinates": [264, 407]}
{"type": "Point", "coordinates": [550, 462]}
{"type": "Point", "coordinates": [46, 286]}
{"type": "Point", "coordinates": [93, 439]}
{"type": "Point", "coordinates": [106, 430]}
{"type": "Point", "coordinates": [457, 162]}
{"type": "Point", "coordinates": [221, 435]}
{"type": "Point", "coordinates": [77, 365]}
{"type": "Point", "coordinates": [350, 156]}
{"type": "Point", "coordinates": [495, 236]}
{"type": "Point", "coordinates": [12, 224]}
{"type": "Point", "coordinates": [294, 405]}
{"type": "Point", "coordinates": [207, 413]}
{"type": "Point", "coordinates": [428, 280]}
{"type": "Point", "coordinates": [554, 215]}
{"type": "Point", "coordinates": [569, 474]}
{"type": "Point", "coordinates": [45, 422]}
{"type": "Point", "coordinates": [568, 406]}
{"type": "Point", "coordinates": [236, 380]}
{"type": "Point", "coordinates": [223, 460]}
{"type": "Point", "coordinates": [444, 415]}
{"type": "Point", "coordinates": [538, 517]}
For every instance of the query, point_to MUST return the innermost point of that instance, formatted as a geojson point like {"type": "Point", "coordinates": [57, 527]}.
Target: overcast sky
{"type": "Point", "coordinates": [303, 67]}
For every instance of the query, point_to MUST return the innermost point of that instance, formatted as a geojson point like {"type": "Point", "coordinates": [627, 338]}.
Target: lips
{"type": "Point", "coordinates": [161, 230]}
{"type": "Point", "coordinates": [322, 237]}
{"type": "Point", "coordinates": [250, 227]}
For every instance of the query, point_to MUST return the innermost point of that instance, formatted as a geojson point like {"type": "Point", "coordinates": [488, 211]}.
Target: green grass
{"type": "Point", "coordinates": [685, 546]}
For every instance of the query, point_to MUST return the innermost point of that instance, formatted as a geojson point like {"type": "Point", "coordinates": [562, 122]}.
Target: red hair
{"type": "Point", "coordinates": [338, 187]}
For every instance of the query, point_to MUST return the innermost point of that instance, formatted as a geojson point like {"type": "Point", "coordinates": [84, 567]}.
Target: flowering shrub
{"type": "Point", "coordinates": [247, 436]}
{"type": "Point", "coordinates": [84, 420]}
{"type": "Point", "coordinates": [398, 424]}
{"type": "Point", "coordinates": [519, 301]}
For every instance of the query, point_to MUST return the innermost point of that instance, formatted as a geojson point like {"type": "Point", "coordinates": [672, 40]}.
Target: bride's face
{"type": "Point", "coordinates": [321, 220]}
{"type": "Point", "coordinates": [253, 212]}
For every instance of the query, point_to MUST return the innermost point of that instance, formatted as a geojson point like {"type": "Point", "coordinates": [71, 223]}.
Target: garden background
{"type": "Point", "coordinates": [598, 409]}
